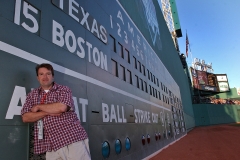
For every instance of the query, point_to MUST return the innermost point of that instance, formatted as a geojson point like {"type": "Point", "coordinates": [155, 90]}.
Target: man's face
{"type": "Point", "coordinates": [45, 78]}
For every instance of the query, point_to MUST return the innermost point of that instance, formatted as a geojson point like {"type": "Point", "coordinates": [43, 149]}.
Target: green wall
{"type": "Point", "coordinates": [232, 94]}
{"type": "Point", "coordinates": [168, 55]}
{"type": "Point", "coordinates": [211, 114]}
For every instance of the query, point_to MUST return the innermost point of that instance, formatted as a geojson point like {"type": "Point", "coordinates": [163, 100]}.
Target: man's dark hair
{"type": "Point", "coordinates": [44, 65]}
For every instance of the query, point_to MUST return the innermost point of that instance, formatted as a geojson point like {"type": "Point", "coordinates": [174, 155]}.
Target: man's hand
{"type": "Point", "coordinates": [35, 108]}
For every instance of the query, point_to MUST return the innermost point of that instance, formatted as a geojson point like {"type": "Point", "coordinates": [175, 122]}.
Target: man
{"type": "Point", "coordinates": [57, 129]}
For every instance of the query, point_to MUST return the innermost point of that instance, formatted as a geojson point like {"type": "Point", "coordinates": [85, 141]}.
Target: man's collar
{"type": "Point", "coordinates": [54, 87]}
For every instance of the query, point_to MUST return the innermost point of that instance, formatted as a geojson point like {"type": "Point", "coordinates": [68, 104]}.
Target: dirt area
{"type": "Point", "coordinates": [219, 142]}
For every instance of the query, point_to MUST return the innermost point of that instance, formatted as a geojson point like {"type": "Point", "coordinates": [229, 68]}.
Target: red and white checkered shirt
{"type": "Point", "coordinates": [58, 131]}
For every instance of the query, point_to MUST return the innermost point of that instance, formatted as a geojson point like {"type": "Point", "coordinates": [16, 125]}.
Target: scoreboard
{"type": "Point", "coordinates": [205, 81]}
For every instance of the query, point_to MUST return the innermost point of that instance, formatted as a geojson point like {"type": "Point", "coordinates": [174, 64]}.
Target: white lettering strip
{"type": "Point", "coordinates": [136, 28]}
{"type": "Point", "coordinates": [38, 60]}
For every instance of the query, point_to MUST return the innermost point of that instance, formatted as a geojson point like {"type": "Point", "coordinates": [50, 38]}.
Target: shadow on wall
{"type": "Point", "coordinates": [212, 114]}
{"type": "Point", "coordinates": [233, 112]}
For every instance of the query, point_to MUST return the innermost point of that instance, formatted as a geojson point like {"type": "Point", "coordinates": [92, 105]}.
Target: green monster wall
{"type": "Point", "coordinates": [167, 54]}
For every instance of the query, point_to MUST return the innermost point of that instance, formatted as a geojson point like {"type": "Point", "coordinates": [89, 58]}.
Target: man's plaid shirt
{"type": "Point", "coordinates": [59, 131]}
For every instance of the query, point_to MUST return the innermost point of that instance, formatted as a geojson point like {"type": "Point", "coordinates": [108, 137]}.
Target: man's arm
{"type": "Point", "coordinates": [51, 108]}
{"type": "Point", "coordinates": [33, 116]}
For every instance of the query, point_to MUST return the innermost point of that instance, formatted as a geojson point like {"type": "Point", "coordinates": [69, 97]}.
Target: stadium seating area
{"type": "Point", "coordinates": [213, 100]}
